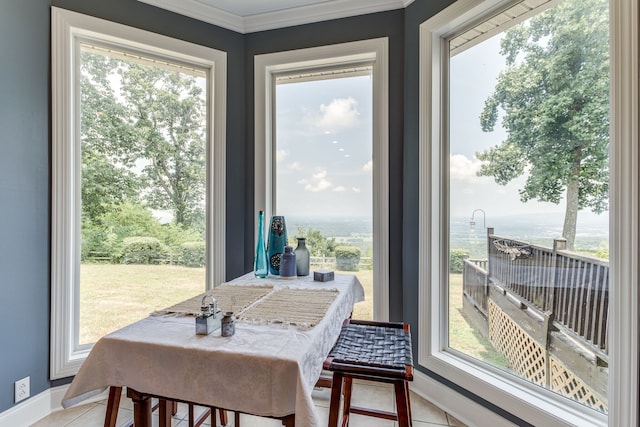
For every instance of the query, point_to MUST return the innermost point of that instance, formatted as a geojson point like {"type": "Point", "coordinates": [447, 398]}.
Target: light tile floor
{"type": "Point", "coordinates": [380, 396]}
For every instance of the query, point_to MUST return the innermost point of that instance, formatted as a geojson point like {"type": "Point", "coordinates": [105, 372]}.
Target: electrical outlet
{"type": "Point", "coordinates": [22, 389]}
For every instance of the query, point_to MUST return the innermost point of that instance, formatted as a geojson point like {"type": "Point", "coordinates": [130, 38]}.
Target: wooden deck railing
{"type": "Point", "coordinates": [571, 288]}
{"type": "Point", "coordinates": [476, 283]}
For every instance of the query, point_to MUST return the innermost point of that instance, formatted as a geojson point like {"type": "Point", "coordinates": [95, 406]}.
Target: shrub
{"type": "Point", "coordinates": [143, 250]}
{"type": "Point", "coordinates": [347, 258]}
{"type": "Point", "coordinates": [193, 254]}
{"type": "Point", "coordinates": [456, 256]}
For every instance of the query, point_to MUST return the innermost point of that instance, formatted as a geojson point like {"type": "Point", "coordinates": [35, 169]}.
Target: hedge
{"type": "Point", "coordinates": [143, 250]}
{"type": "Point", "coordinates": [193, 254]}
{"type": "Point", "coordinates": [456, 257]}
{"type": "Point", "coordinates": [347, 258]}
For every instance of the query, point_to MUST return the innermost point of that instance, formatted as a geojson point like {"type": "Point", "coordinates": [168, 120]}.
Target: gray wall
{"type": "Point", "coordinates": [24, 195]}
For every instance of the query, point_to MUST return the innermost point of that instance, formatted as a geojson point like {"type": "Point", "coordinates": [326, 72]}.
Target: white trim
{"type": "Point", "coordinates": [374, 51]}
{"type": "Point", "coordinates": [532, 404]}
{"type": "Point", "coordinates": [68, 27]}
{"type": "Point", "coordinates": [322, 11]}
{"type": "Point", "coordinates": [39, 406]}
{"type": "Point", "coordinates": [450, 401]}
{"type": "Point", "coordinates": [625, 136]}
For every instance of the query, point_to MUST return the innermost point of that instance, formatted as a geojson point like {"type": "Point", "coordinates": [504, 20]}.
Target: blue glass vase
{"type": "Point", "coordinates": [260, 268]}
{"type": "Point", "coordinates": [277, 242]}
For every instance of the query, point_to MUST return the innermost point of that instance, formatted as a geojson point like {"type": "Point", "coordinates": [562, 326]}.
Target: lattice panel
{"type": "Point", "coordinates": [527, 357]}
{"type": "Point", "coordinates": [564, 382]}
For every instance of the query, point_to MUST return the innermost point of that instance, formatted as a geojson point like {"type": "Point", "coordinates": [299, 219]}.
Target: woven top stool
{"type": "Point", "coordinates": [371, 351]}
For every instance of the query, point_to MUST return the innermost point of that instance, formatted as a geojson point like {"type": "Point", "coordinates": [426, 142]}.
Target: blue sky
{"type": "Point", "coordinates": [324, 148]}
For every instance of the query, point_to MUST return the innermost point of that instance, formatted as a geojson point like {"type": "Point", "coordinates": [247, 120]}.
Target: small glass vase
{"type": "Point", "coordinates": [288, 264]}
{"type": "Point", "coordinates": [260, 264]}
{"type": "Point", "coordinates": [302, 257]}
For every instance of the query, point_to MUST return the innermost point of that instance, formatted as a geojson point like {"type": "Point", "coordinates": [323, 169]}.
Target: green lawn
{"type": "Point", "coordinates": [115, 295]}
{"type": "Point", "coordinates": [462, 335]}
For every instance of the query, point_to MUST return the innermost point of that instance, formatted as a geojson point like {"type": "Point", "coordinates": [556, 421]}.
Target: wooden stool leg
{"type": "Point", "coordinates": [402, 404]}
{"type": "Point", "coordinates": [236, 418]}
{"type": "Point", "coordinates": [334, 407]}
{"type": "Point", "coordinates": [113, 403]}
{"type": "Point", "coordinates": [406, 388]}
{"type": "Point", "coordinates": [346, 411]}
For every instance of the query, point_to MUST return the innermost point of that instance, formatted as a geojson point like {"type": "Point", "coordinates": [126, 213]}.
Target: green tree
{"type": "Point", "coordinates": [107, 177]}
{"type": "Point", "coordinates": [554, 94]}
{"type": "Point", "coordinates": [317, 244]}
{"type": "Point", "coordinates": [168, 113]}
{"type": "Point", "coordinates": [143, 138]}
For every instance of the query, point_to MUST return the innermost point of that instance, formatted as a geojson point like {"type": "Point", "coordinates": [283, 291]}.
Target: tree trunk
{"type": "Point", "coordinates": [571, 211]}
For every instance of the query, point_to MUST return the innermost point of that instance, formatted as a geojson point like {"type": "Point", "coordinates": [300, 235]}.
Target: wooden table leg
{"type": "Point", "coordinates": [141, 408]}
{"type": "Point", "coordinates": [165, 411]}
{"type": "Point", "coordinates": [112, 406]}
{"type": "Point", "coordinates": [289, 421]}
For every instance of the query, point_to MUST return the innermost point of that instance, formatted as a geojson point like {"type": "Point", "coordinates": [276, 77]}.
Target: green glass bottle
{"type": "Point", "coordinates": [260, 265]}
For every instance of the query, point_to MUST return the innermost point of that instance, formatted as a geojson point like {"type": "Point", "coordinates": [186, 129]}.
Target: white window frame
{"type": "Point", "coordinates": [67, 29]}
{"type": "Point", "coordinates": [266, 68]}
{"type": "Point", "coordinates": [518, 397]}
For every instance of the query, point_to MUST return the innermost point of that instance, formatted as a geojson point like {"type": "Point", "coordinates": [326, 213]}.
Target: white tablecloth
{"type": "Point", "coordinates": [266, 370]}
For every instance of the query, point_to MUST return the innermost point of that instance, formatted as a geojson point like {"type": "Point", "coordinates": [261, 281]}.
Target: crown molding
{"type": "Point", "coordinates": [278, 19]}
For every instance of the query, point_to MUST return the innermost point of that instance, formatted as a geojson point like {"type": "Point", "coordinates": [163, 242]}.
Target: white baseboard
{"type": "Point", "coordinates": [466, 410]}
{"type": "Point", "coordinates": [39, 406]}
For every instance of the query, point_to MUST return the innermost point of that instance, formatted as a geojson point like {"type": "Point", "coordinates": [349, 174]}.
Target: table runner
{"type": "Point", "coordinates": [302, 308]}
{"type": "Point", "coordinates": [261, 370]}
{"type": "Point", "coordinates": [230, 298]}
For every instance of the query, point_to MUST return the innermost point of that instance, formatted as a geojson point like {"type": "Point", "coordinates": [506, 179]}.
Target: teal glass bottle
{"type": "Point", "coordinates": [260, 265]}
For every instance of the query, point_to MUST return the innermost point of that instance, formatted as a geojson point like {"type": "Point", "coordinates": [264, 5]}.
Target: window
{"type": "Point", "coordinates": [452, 44]}
{"type": "Point", "coordinates": [138, 131]}
{"type": "Point", "coordinates": [324, 170]}
{"type": "Point", "coordinates": [281, 80]}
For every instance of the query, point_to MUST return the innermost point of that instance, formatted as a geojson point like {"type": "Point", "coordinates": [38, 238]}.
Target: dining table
{"type": "Point", "coordinates": [284, 330]}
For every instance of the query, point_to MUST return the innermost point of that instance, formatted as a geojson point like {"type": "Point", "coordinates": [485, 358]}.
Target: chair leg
{"type": "Point", "coordinates": [334, 407]}
{"type": "Point", "coordinates": [346, 411]}
{"type": "Point", "coordinates": [224, 420]}
{"type": "Point", "coordinates": [113, 403]}
{"type": "Point", "coordinates": [406, 388]}
{"type": "Point", "coordinates": [402, 404]}
{"type": "Point", "coordinates": [223, 417]}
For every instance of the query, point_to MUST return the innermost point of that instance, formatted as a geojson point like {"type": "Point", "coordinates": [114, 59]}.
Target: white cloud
{"type": "Point", "coordinates": [368, 167]}
{"type": "Point", "coordinates": [295, 166]}
{"type": "Point", "coordinates": [281, 155]}
{"type": "Point", "coordinates": [355, 189]}
{"type": "Point", "coordinates": [320, 174]}
{"type": "Point", "coordinates": [317, 183]}
{"type": "Point", "coordinates": [463, 169]}
{"type": "Point", "coordinates": [340, 113]}
{"type": "Point", "coordinates": [339, 189]}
